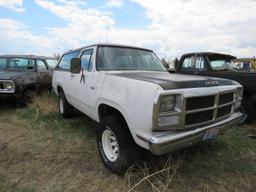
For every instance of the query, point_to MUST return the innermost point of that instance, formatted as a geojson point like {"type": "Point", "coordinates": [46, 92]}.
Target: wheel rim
{"type": "Point", "coordinates": [110, 145]}
{"type": "Point", "coordinates": [61, 105]}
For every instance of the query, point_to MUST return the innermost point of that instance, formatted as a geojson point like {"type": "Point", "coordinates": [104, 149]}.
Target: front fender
{"type": "Point", "coordinates": [111, 104]}
{"type": "Point", "coordinates": [117, 107]}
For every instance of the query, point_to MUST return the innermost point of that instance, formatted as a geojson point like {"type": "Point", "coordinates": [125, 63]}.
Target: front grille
{"type": "Point", "coordinates": [223, 111]}
{"type": "Point", "coordinates": [205, 109]}
{"type": "Point", "coordinates": [200, 117]}
{"type": "Point", "coordinates": [226, 98]}
{"type": "Point", "coordinates": [200, 102]}
{"type": "Point", "coordinates": [1, 85]}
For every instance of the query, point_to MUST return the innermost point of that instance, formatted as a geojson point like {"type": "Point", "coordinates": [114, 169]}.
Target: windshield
{"type": "Point", "coordinates": [52, 63]}
{"type": "Point", "coordinates": [121, 58]}
{"type": "Point", "coordinates": [15, 64]}
{"type": "Point", "coordinates": [222, 64]}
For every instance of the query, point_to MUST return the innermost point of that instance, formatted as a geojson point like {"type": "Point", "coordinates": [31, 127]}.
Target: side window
{"type": "Point", "coordinates": [86, 62]}
{"type": "Point", "coordinates": [188, 64]}
{"type": "Point", "coordinates": [66, 59]}
{"type": "Point", "coordinates": [41, 67]}
{"type": "Point", "coordinates": [200, 64]}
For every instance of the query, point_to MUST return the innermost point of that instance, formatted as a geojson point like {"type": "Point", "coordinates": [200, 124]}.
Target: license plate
{"type": "Point", "coordinates": [211, 133]}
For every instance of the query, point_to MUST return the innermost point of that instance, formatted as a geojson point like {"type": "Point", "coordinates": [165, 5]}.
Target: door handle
{"type": "Point", "coordinates": [72, 75]}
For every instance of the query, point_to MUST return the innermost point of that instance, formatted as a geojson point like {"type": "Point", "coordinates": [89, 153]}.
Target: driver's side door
{"type": "Point", "coordinates": [43, 74]}
{"type": "Point", "coordinates": [82, 83]}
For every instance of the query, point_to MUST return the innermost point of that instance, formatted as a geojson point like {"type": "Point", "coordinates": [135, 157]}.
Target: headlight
{"type": "Point", "coordinates": [8, 85]}
{"type": "Point", "coordinates": [167, 103]}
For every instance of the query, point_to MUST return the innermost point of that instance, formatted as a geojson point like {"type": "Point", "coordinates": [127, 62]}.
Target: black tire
{"type": "Point", "coordinates": [50, 90]}
{"type": "Point", "coordinates": [248, 105]}
{"type": "Point", "coordinates": [28, 96]}
{"type": "Point", "coordinates": [65, 109]}
{"type": "Point", "coordinates": [128, 151]}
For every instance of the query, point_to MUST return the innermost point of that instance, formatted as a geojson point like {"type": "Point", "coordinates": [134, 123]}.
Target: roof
{"type": "Point", "coordinates": [246, 59]}
{"type": "Point", "coordinates": [209, 54]}
{"type": "Point", "coordinates": [110, 45]}
{"type": "Point", "coordinates": [28, 56]}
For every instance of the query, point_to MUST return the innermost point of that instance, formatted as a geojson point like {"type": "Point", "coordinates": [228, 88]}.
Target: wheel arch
{"type": "Point", "coordinates": [31, 87]}
{"type": "Point", "coordinates": [111, 109]}
{"type": "Point", "coordinates": [59, 89]}
{"type": "Point", "coordinates": [248, 93]}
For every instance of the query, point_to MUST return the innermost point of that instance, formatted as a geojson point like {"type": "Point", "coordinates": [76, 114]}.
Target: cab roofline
{"type": "Point", "coordinates": [208, 54]}
{"type": "Point", "coordinates": [108, 45]}
{"type": "Point", "coordinates": [27, 56]}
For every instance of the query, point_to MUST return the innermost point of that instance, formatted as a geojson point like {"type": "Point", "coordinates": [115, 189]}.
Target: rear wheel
{"type": "Point", "coordinates": [116, 146]}
{"type": "Point", "coordinates": [65, 109]}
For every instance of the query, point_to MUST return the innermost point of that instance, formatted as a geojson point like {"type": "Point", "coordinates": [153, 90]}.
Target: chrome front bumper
{"type": "Point", "coordinates": [171, 142]}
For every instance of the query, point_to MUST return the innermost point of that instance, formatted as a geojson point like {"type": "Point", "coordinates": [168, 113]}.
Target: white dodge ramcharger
{"type": "Point", "coordinates": [139, 104]}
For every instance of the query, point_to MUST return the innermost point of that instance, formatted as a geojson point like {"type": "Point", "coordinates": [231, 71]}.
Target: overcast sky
{"type": "Point", "coordinates": [169, 27]}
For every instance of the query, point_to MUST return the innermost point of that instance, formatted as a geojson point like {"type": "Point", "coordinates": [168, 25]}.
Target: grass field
{"type": "Point", "coordinates": [39, 151]}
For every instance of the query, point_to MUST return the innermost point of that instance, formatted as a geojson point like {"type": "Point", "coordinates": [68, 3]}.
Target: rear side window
{"type": "Point", "coordinates": [66, 59]}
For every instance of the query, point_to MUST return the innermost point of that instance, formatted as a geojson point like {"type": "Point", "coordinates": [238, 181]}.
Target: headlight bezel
{"type": "Point", "coordinates": [173, 113]}
{"type": "Point", "coordinates": [239, 97]}
{"type": "Point", "coordinates": [239, 94]}
{"type": "Point", "coordinates": [8, 85]}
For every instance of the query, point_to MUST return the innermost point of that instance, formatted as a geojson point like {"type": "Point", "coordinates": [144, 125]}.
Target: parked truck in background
{"type": "Point", "coordinates": [223, 66]}
{"type": "Point", "coordinates": [22, 76]}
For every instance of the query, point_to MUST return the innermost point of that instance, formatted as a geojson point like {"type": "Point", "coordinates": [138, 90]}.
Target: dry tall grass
{"type": "Point", "coordinates": [141, 177]}
{"type": "Point", "coordinates": [39, 151]}
{"type": "Point", "coordinates": [44, 104]}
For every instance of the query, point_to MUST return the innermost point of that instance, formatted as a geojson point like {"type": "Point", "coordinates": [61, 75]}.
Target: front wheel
{"type": "Point", "coordinates": [28, 96]}
{"type": "Point", "coordinates": [249, 108]}
{"type": "Point", "coordinates": [115, 145]}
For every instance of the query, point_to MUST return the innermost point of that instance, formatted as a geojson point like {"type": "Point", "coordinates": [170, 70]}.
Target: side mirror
{"type": "Point", "coordinates": [75, 65]}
